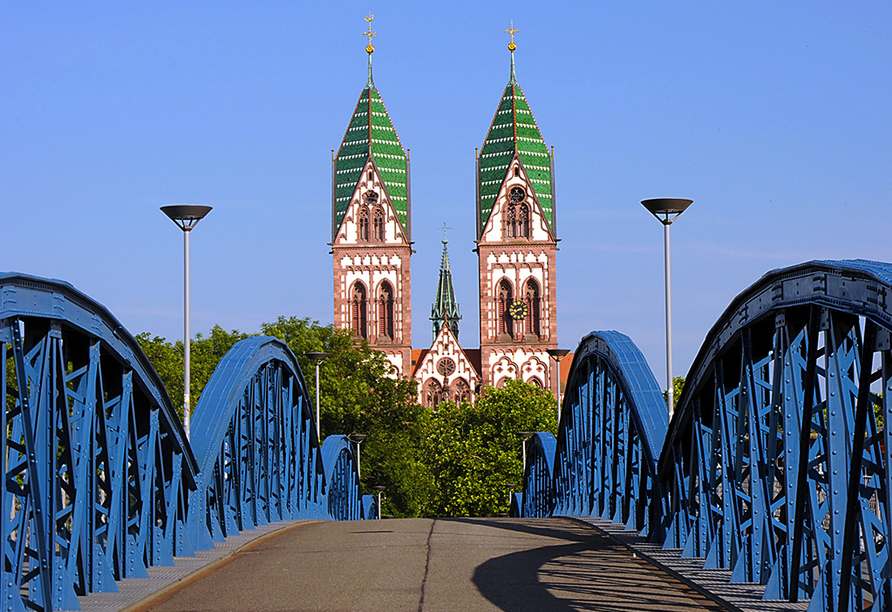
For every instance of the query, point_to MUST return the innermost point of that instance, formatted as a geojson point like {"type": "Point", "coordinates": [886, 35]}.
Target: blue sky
{"type": "Point", "coordinates": [774, 117]}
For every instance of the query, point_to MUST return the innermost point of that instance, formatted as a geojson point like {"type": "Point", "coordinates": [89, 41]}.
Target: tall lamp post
{"type": "Point", "coordinates": [380, 489]}
{"type": "Point", "coordinates": [318, 358]}
{"type": "Point", "coordinates": [667, 210]}
{"type": "Point", "coordinates": [357, 440]}
{"type": "Point", "coordinates": [557, 354]}
{"type": "Point", "coordinates": [524, 436]}
{"type": "Point", "coordinates": [186, 216]}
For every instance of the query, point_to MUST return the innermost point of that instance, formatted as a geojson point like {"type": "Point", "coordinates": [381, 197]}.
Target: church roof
{"type": "Point", "coordinates": [514, 130]}
{"type": "Point", "coordinates": [371, 134]}
{"type": "Point", "coordinates": [445, 308]}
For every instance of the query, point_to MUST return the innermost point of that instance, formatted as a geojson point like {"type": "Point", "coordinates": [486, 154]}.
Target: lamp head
{"type": "Point", "coordinates": [317, 356]}
{"type": "Point", "coordinates": [357, 438]}
{"type": "Point", "coordinates": [666, 209]}
{"type": "Point", "coordinates": [186, 216]}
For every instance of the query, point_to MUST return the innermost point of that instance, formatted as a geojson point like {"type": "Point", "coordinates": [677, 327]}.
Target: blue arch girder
{"type": "Point", "coordinates": [255, 444]}
{"type": "Point", "coordinates": [776, 465]}
{"type": "Point", "coordinates": [95, 463]}
{"type": "Point", "coordinates": [613, 422]}
{"type": "Point", "coordinates": [99, 481]}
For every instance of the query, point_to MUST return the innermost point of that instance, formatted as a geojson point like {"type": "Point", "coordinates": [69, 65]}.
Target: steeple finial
{"type": "Point", "coordinates": [370, 49]}
{"type": "Point", "coordinates": [511, 47]}
{"type": "Point", "coordinates": [444, 228]}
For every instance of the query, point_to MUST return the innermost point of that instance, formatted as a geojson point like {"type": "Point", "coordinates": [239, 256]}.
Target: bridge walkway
{"type": "Point", "coordinates": [429, 565]}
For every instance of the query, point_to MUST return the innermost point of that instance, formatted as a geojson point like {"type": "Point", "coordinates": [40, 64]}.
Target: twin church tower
{"type": "Point", "coordinates": [516, 241]}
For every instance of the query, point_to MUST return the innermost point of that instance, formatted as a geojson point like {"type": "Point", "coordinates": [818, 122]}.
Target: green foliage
{"type": "Point", "coordinates": [356, 397]}
{"type": "Point", "coordinates": [474, 453]}
{"type": "Point", "coordinates": [206, 353]}
{"type": "Point", "coordinates": [677, 386]}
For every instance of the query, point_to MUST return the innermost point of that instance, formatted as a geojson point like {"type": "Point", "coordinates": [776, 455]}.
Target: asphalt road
{"type": "Point", "coordinates": [432, 565]}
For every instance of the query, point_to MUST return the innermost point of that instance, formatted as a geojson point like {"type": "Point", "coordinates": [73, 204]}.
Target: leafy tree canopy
{"type": "Point", "coordinates": [473, 450]}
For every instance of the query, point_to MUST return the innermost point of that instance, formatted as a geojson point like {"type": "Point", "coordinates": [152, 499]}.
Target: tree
{"type": "Point", "coordinates": [357, 396]}
{"type": "Point", "coordinates": [677, 386]}
{"type": "Point", "coordinates": [473, 450]}
{"type": "Point", "coordinates": [205, 353]}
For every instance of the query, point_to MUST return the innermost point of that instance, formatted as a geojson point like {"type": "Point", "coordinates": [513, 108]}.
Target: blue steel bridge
{"type": "Point", "coordinates": [773, 468]}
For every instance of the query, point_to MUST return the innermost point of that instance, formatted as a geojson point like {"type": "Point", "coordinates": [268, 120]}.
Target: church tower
{"type": "Point", "coordinates": [516, 245]}
{"type": "Point", "coordinates": [371, 229]}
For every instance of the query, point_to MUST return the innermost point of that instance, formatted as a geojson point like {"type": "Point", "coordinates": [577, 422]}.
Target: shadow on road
{"type": "Point", "coordinates": [589, 572]}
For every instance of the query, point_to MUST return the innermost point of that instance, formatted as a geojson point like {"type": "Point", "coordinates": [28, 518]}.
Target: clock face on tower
{"type": "Point", "coordinates": [518, 310]}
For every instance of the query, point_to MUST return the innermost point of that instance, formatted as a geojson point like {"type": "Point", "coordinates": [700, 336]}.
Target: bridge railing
{"type": "Point", "coordinates": [776, 463]}
{"type": "Point", "coordinates": [99, 481]}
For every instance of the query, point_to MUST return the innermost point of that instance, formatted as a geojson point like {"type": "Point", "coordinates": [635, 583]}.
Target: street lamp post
{"type": "Point", "coordinates": [667, 210]}
{"type": "Point", "coordinates": [186, 216]}
{"type": "Point", "coordinates": [524, 436]}
{"type": "Point", "coordinates": [380, 489]}
{"type": "Point", "coordinates": [318, 358]}
{"type": "Point", "coordinates": [557, 354]}
{"type": "Point", "coordinates": [357, 439]}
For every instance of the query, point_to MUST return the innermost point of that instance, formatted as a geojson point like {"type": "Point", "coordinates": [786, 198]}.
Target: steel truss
{"type": "Point", "coordinates": [95, 464]}
{"type": "Point", "coordinates": [776, 463]}
{"type": "Point", "coordinates": [613, 421]}
{"type": "Point", "coordinates": [99, 481]}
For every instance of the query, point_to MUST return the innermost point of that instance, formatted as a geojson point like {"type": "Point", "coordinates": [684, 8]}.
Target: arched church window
{"type": "Point", "coordinates": [432, 393]}
{"type": "Point", "coordinates": [385, 311]}
{"type": "Point", "coordinates": [523, 221]}
{"type": "Point", "coordinates": [378, 223]}
{"type": "Point", "coordinates": [504, 300]}
{"type": "Point", "coordinates": [518, 216]}
{"type": "Point", "coordinates": [358, 310]}
{"type": "Point", "coordinates": [363, 224]}
{"type": "Point", "coordinates": [461, 391]}
{"type": "Point", "coordinates": [532, 300]}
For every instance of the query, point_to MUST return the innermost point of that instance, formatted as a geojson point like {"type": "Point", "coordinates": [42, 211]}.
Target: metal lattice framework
{"type": "Point", "coordinates": [256, 445]}
{"type": "Point", "coordinates": [537, 499]}
{"type": "Point", "coordinates": [95, 464]}
{"type": "Point", "coordinates": [776, 465]}
{"type": "Point", "coordinates": [613, 422]}
{"type": "Point", "coordinates": [342, 493]}
{"type": "Point", "coordinates": [99, 481]}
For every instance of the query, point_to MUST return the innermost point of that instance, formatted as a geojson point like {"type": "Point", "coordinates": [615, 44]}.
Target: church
{"type": "Point", "coordinates": [516, 244]}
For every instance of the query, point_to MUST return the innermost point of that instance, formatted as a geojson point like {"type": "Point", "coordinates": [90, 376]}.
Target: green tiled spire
{"type": "Point", "coordinates": [371, 134]}
{"type": "Point", "coordinates": [514, 130]}
{"type": "Point", "coordinates": [445, 308]}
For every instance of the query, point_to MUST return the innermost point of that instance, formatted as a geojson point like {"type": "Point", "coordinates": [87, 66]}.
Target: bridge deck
{"type": "Point", "coordinates": [424, 564]}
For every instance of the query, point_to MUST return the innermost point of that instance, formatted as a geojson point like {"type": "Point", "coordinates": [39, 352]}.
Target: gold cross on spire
{"type": "Point", "coordinates": [370, 49]}
{"type": "Point", "coordinates": [444, 228]}
{"type": "Point", "coordinates": [511, 31]}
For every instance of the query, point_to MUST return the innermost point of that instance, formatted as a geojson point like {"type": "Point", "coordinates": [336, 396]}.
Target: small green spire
{"type": "Point", "coordinates": [370, 84]}
{"type": "Point", "coordinates": [445, 309]}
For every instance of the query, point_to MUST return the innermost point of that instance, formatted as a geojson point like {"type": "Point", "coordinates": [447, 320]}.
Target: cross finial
{"type": "Point", "coordinates": [444, 228]}
{"type": "Point", "coordinates": [511, 31]}
{"type": "Point", "coordinates": [370, 49]}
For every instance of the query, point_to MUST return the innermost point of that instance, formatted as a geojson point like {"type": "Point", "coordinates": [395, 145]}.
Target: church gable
{"type": "Point", "coordinates": [445, 372]}
{"type": "Point", "coordinates": [370, 217]}
{"type": "Point", "coordinates": [517, 214]}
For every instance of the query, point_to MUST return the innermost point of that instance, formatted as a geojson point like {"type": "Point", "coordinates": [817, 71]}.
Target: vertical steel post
{"type": "Point", "coordinates": [318, 430]}
{"type": "Point", "coordinates": [670, 385]}
{"type": "Point", "coordinates": [187, 343]}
